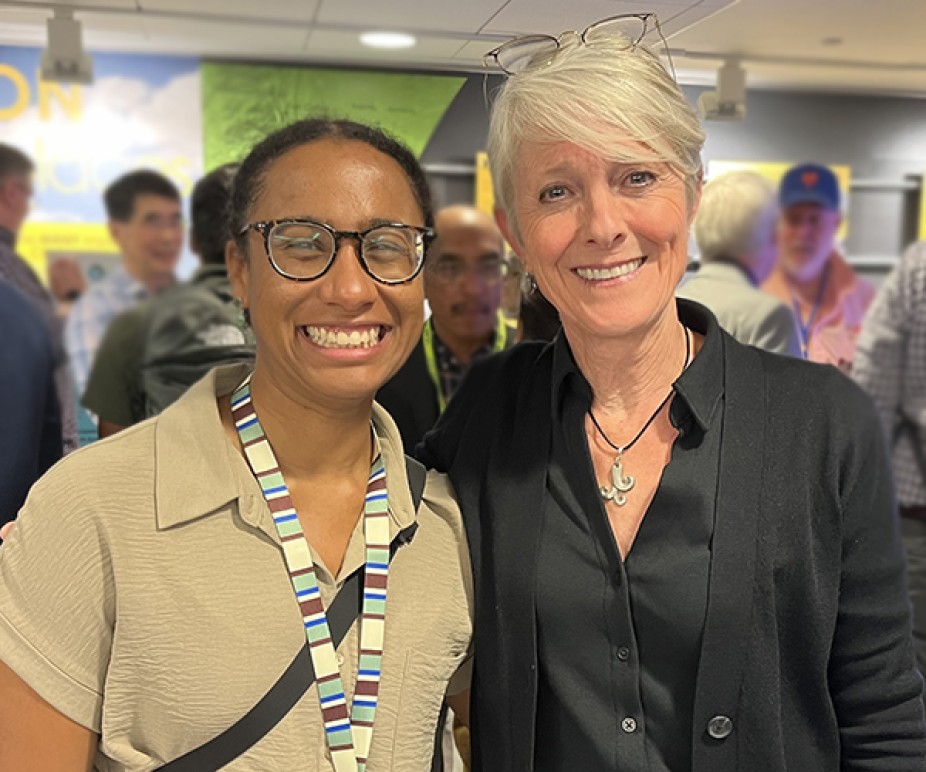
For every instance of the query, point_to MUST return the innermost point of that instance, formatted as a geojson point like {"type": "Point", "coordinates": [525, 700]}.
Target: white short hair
{"type": "Point", "coordinates": [597, 96]}
{"type": "Point", "coordinates": [736, 217]}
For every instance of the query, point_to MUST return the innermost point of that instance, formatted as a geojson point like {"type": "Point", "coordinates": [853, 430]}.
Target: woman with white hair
{"type": "Point", "coordinates": [735, 233]}
{"type": "Point", "coordinates": [685, 549]}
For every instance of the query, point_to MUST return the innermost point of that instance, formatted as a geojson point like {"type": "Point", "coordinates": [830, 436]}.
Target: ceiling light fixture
{"type": "Point", "coordinates": [64, 60]}
{"type": "Point", "coordinates": [387, 40]}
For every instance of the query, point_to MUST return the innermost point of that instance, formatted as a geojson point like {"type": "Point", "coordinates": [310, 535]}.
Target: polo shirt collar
{"type": "Point", "coordinates": [699, 388]}
{"type": "Point", "coordinates": [195, 464]}
{"type": "Point", "coordinates": [198, 471]}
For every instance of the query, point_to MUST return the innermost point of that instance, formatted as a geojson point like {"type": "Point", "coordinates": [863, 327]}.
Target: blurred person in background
{"type": "Point", "coordinates": [16, 170]}
{"type": "Point", "coordinates": [890, 364]}
{"type": "Point", "coordinates": [512, 289]}
{"type": "Point", "coordinates": [735, 233]}
{"type": "Point", "coordinates": [157, 349]}
{"type": "Point", "coordinates": [32, 419]}
{"type": "Point", "coordinates": [828, 298]}
{"type": "Point", "coordinates": [66, 282]}
{"type": "Point", "coordinates": [175, 595]}
{"type": "Point", "coordinates": [145, 221]}
{"type": "Point", "coordinates": [685, 550]}
{"type": "Point", "coordinates": [463, 284]}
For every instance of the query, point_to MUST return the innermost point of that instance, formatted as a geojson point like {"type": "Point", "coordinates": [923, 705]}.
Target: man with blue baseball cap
{"type": "Point", "coordinates": [828, 298]}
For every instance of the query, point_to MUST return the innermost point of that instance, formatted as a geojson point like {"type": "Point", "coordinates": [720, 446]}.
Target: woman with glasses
{"type": "Point", "coordinates": [255, 579]}
{"type": "Point", "coordinates": [685, 551]}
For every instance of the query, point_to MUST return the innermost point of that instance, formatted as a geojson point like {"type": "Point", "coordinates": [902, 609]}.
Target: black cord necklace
{"type": "Point", "coordinates": [621, 484]}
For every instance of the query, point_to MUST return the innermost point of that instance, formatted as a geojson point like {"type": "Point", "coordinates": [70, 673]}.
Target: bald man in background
{"type": "Point", "coordinates": [463, 284]}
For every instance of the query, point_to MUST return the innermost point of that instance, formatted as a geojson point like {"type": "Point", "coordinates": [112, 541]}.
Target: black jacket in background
{"type": "Point", "coordinates": [411, 398]}
{"type": "Point", "coordinates": [31, 440]}
{"type": "Point", "coordinates": [807, 643]}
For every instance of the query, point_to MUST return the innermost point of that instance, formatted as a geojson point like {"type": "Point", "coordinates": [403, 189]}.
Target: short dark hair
{"type": "Point", "coordinates": [209, 210]}
{"type": "Point", "coordinates": [120, 195]}
{"type": "Point", "coordinates": [14, 161]}
{"type": "Point", "coordinates": [250, 177]}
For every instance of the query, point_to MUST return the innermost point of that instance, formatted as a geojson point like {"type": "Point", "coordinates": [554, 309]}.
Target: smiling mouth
{"type": "Point", "coordinates": [339, 338]}
{"type": "Point", "coordinates": [603, 274]}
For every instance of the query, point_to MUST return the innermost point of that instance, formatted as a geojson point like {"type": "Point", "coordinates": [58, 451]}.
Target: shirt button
{"type": "Point", "coordinates": [623, 653]}
{"type": "Point", "coordinates": [720, 727]}
{"type": "Point", "coordinates": [340, 659]}
{"type": "Point", "coordinates": [629, 725]}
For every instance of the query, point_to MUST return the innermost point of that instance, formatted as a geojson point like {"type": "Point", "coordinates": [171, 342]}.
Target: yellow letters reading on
{"type": "Point", "coordinates": [70, 101]}
{"type": "Point", "coordinates": [21, 100]}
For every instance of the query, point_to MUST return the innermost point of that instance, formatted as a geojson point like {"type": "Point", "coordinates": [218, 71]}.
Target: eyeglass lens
{"type": "Point", "coordinates": [487, 271]}
{"type": "Point", "coordinates": [304, 250]}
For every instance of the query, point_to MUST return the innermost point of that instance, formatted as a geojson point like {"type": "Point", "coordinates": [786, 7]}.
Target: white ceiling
{"type": "Point", "coordinates": [834, 45]}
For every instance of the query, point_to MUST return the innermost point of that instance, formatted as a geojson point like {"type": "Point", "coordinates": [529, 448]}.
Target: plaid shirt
{"type": "Point", "coordinates": [890, 365]}
{"type": "Point", "coordinates": [20, 274]}
{"type": "Point", "coordinates": [90, 316]}
{"type": "Point", "coordinates": [451, 370]}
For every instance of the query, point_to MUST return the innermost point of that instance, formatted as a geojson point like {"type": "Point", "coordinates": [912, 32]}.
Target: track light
{"type": "Point", "coordinates": [64, 61]}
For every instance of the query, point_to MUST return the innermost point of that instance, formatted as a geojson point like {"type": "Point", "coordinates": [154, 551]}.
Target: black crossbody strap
{"type": "Point", "coordinates": [282, 697]}
{"type": "Point", "coordinates": [298, 678]}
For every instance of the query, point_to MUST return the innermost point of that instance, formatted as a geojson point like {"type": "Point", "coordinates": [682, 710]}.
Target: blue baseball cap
{"type": "Point", "coordinates": [809, 184]}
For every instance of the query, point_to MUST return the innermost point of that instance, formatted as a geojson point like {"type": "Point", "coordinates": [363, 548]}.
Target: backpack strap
{"type": "Point", "coordinates": [298, 678]}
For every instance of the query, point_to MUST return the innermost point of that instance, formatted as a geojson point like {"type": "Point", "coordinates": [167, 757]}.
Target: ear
{"type": "Point", "coordinates": [505, 226]}
{"type": "Point", "coordinates": [115, 230]}
{"type": "Point", "coordinates": [239, 273]}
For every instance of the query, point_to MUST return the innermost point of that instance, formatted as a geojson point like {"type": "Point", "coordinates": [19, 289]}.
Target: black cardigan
{"type": "Point", "coordinates": [807, 644]}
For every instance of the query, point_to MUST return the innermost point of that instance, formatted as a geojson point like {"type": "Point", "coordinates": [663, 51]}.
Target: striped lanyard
{"type": "Point", "coordinates": [348, 734]}
{"type": "Point", "coordinates": [430, 355]}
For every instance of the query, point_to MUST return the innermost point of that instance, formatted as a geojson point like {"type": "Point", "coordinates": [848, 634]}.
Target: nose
{"type": "Point", "coordinates": [346, 283]}
{"type": "Point", "coordinates": [605, 223]}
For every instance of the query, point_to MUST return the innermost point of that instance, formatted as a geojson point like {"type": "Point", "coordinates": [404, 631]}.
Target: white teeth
{"type": "Point", "coordinates": [328, 338]}
{"type": "Point", "coordinates": [599, 274]}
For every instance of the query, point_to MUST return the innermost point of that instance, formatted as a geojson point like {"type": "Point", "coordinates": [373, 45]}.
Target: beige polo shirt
{"type": "Point", "coordinates": [143, 593]}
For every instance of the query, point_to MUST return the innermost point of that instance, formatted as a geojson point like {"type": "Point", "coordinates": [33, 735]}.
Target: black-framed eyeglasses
{"type": "Point", "coordinates": [489, 272]}
{"type": "Point", "coordinates": [303, 250]}
{"type": "Point", "coordinates": [531, 51]}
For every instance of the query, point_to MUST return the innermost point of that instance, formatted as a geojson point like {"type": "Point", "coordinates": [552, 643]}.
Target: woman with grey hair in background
{"type": "Point", "coordinates": [735, 233]}
{"type": "Point", "coordinates": [685, 549]}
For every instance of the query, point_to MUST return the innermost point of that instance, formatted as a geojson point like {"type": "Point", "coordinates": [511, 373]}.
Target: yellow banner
{"type": "Point", "coordinates": [922, 235]}
{"type": "Point", "coordinates": [87, 244]}
{"type": "Point", "coordinates": [485, 195]}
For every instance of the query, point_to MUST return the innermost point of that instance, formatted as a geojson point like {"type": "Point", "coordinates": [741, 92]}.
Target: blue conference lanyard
{"type": "Point", "coordinates": [805, 328]}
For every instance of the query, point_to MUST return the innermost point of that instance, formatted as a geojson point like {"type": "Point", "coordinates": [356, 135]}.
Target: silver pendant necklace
{"type": "Point", "coordinates": [622, 484]}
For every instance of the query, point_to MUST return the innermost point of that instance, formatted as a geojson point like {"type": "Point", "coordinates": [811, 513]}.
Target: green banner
{"type": "Point", "coordinates": [242, 103]}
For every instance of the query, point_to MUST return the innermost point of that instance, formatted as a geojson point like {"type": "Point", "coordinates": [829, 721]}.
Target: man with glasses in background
{"type": "Point", "coordinates": [463, 284]}
{"type": "Point", "coordinates": [146, 223]}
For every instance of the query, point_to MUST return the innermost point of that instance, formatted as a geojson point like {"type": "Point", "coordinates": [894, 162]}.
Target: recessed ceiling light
{"type": "Point", "coordinates": [387, 40]}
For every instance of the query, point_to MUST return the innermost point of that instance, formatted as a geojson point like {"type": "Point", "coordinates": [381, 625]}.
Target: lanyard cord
{"type": "Point", "coordinates": [804, 328]}
{"type": "Point", "coordinates": [430, 355]}
{"type": "Point", "coordinates": [348, 734]}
